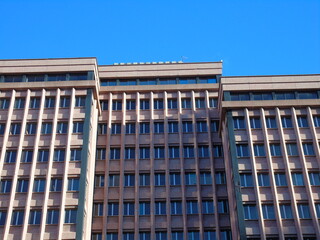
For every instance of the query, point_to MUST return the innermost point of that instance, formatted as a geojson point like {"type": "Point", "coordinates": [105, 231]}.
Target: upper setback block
{"type": "Point", "coordinates": [160, 70]}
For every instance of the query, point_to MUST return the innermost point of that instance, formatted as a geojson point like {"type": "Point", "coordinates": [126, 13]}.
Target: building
{"type": "Point", "coordinates": [156, 151]}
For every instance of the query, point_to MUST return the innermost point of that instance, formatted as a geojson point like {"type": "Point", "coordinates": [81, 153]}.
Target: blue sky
{"type": "Point", "coordinates": [251, 37]}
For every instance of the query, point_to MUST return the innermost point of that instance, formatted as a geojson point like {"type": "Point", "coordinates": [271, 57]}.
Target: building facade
{"type": "Point", "coordinates": [156, 151]}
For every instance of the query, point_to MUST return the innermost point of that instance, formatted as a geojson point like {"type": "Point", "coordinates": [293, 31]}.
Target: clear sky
{"type": "Point", "coordinates": [251, 37]}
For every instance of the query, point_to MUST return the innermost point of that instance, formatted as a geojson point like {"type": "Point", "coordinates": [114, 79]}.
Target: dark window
{"type": "Point", "coordinates": [115, 128]}
{"type": "Point", "coordinates": [144, 104]}
{"type": "Point", "coordinates": [187, 126]}
{"type": "Point", "coordinates": [314, 178]}
{"type": "Point", "coordinates": [190, 178]}
{"type": "Point", "coordinates": [302, 121]}
{"type": "Point", "coordinates": [250, 212]}
{"type": "Point", "coordinates": [73, 184]}
{"type": "Point", "coordinates": [144, 208]}
{"type": "Point", "coordinates": [64, 102]}
{"type": "Point", "coordinates": [26, 156]}
{"type": "Point", "coordinates": [268, 211]}
{"type": "Point", "coordinates": [144, 179]}
{"type": "Point", "coordinates": [129, 153]}
{"type": "Point", "coordinates": [130, 128]}
{"type": "Point", "coordinates": [200, 103]}
{"type": "Point", "coordinates": [271, 122]}
{"type": "Point", "coordinates": [131, 105]}
{"type": "Point", "coordinates": [129, 180]}
{"type": "Point", "coordinates": [192, 207]}
{"type": "Point", "coordinates": [17, 217]}
{"type": "Point", "coordinates": [307, 95]}
{"type": "Point", "coordinates": [188, 152]}
{"type": "Point", "coordinates": [114, 153]}
{"type": "Point", "coordinates": [62, 127]}
{"type": "Point", "coordinates": [3, 216]}
{"type": "Point", "coordinates": [297, 179]}
{"type": "Point", "coordinates": [159, 179]}
{"type": "Point", "coordinates": [280, 179]}
{"type": "Point", "coordinates": [19, 103]}
{"type": "Point", "coordinates": [15, 128]}
{"type": "Point", "coordinates": [203, 151]}
{"type": "Point", "coordinates": [5, 186]}
{"type": "Point", "coordinates": [238, 123]}
{"type": "Point", "coordinates": [292, 149]}
{"type": "Point", "coordinates": [240, 96]}
{"type": "Point", "coordinates": [286, 122]}
{"type": "Point", "coordinates": [304, 211]}
{"type": "Point", "coordinates": [114, 180]}
{"type": "Point", "coordinates": [255, 122]}
{"type": "Point", "coordinates": [308, 149]}
{"type": "Point", "coordinates": [261, 96]}
{"type": "Point", "coordinates": [285, 211]}
{"type": "Point", "coordinates": [316, 120]}
{"type": "Point", "coordinates": [173, 127]}
{"type": "Point", "coordinates": [35, 78]}
{"type": "Point", "coordinates": [158, 127]}
{"type": "Point", "coordinates": [176, 208]}
{"type": "Point", "coordinates": [116, 105]}
{"type": "Point", "coordinates": [186, 103]}
{"type": "Point", "coordinates": [202, 126]}
{"type": "Point", "coordinates": [70, 216]}
{"type": "Point", "coordinates": [172, 103]}
{"type": "Point", "coordinates": [56, 185]}
{"type": "Point", "coordinates": [77, 76]}
{"type": "Point", "coordinates": [80, 101]}
{"type": "Point", "coordinates": [99, 180]}
{"type": "Point", "coordinates": [144, 152]}
{"type": "Point", "coordinates": [50, 102]}
{"type": "Point", "coordinates": [242, 150]}
{"type": "Point", "coordinates": [22, 185]}
{"type": "Point", "coordinates": [52, 216]}
{"type": "Point", "coordinates": [43, 155]}
{"type": "Point", "coordinates": [160, 208]}
{"type": "Point", "coordinates": [158, 152]}
{"type": "Point", "coordinates": [246, 180]}
{"type": "Point", "coordinates": [11, 156]}
{"type": "Point", "coordinates": [35, 217]}
{"type": "Point", "coordinates": [175, 179]}
{"type": "Point", "coordinates": [259, 150]}
{"type": "Point", "coordinates": [2, 128]}
{"type": "Point", "coordinates": [205, 178]}
{"type": "Point", "coordinates": [263, 180]}
{"type": "Point", "coordinates": [57, 77]}
{"type": "Point", "coordinates": [104, 105]}
{"type": "Point", "coordinates": [144, 128]}
{"type": "Point", "coordinates": [275, 150]}
{"type": "Point", "coordinates": [4, 103]}
{"type": "Point", "coordinates": [34, 102]}
{"type": "Point", "coordinates": [128, 209]}
{"type": "Point", "coordinates": [102, 128]}
{"type": "Point", "coordinates": [78, 127]}
{"type": "Point", "coordinates": [284, 95]}
{"type": "Point", "coordinates": [75, 154]}
{"type": "Point", "coordinates": [158, 103]}
{"type": "Point", "coordinates": [213, 102]}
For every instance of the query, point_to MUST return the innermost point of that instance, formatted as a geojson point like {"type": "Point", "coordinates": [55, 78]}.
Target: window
{"type": "Point", "coordinates": [188, 152]}
{"type": "Point", "coordinates": [43, 155]}
{"type": "Point", "coordinates": [220, 177]}
{"type": "Point", "coordinates": [246, 180]}
{"type": "Point", "coordinates": [31, 128]}
{"type": "Point", "coordinates": [242, 150]}
{"type": "Point", "coordinates": [174, 152]}
{"type": "Point", "coordinates": [64, 102]}
{"type": "Point", "coordinates": [98, 209]}
{"type": "Point", "coordinates": [308, 149]}
{"type": "Point", "coordinates": [316, 120]}
{"type": "Point", "coordinates": [144, 208]}
{"type": "Point", "coordinates": [4, 103]}
{"type": "Point", "coordinates": [39, 185]}
{"type": "Point", "coordinates": [250, 212]}
{"type": "Point", "coordinates": [17, 217]}
{"type": "Point", "coordinates": [80, 101]}
{"type": "Point", "coordinates": [263, 180]}
{"type": "Point", "coordinates": [223, 206]}
{"type": "Point", "coordinates": [268, 211]}
{"type": "Point", "coordinates": [131, 104]}
{"type": "Point", "coordinates": [190, 179]}
{"type": "Point", "coordinates": [297, 179]}
{"type": "Point", "coordinates": [129, 180]}
{"type": "Point", "coordinates": [202, 126]}
{"type": "Point", "coordinates": [161, 236]}
{"type": "Point", "coordinates": [187, 127]}
{"type": "Point", "coordinates": [303, 210]}
{"type": "Point", "coordinates": [314, 178]}
{"type": "Point", "coordinates": [317, 206]}
{"type": "Point", "coordinates": [2, 128]}
{"type": "Point", "coordinates": [144, 179]}
{"type": "Point", "coordinates": [11, 156]}
{"type": "Point", "coordinates": [56, 185]}
{"type": "Point", "coordinates": [15, 128]}
{"type": "Point", "coordinates": [203, 151]}
{"type": "Point", "coordinates": [144, 236]}
{"type": "Point", "coordinates": [49, 103]}
{"type": "Point", "coordinates": [159, 179]}
{"type": "Point", "coordinates": [144, 128]}
{"type": "Point", "coordinates": [77, 76]}
{"type": "Point", "coordinates": [99, 180]}
{"type": "Point", "coordinates": [73, 184]}
{"type": "Point", "coordinates": [34, 103]}
{"type": "Point", "coordinates": [286, 211]}
{"type": "Point", "coordinates": [114, 180]}
{"type": "Point", "coordinates": [3, 216]}
{"type": "Point", "coordinates": [292, 149]}
{"type": "Point", "coordinates": [115, 128]}
{"type": "Point", "coordinates": [62, 127]}
{"type": "Point", "coordinates": [26, 156]}
{"type": "Point", "coordinates": [238, 123]}
{"type": "Point", "coordinates": [307, 95]}
{"type": "Point", "coordinates": [173, 127]}
{"type": "Point", "coordinates": [129, 153]}
{"type": "Point", "coordinates": [113, 209]}
{"type": "Point", "coordinates": [284, 95]}
{"type": "Point", "coordinates": [192, 235]}
{"type": "Point", "coordinates": [207, 207]}
{"type": "Point", "coordinates": [114, 153]}
{"type": "Point", "coordinates": [225, 235]}
{"type": "Point", "coordinates": [59, 155]}
{"type": "Point", "coordinates": [259, 150]}
{"type": "Point", "coordinates": [130, 128]}
{"type": "Point", "coordinates": [175, 179]}
{"type": "Point", "coordinates": [261, 96]}
{"type": "Point", "coordinates": [116, 105]}
{"type": "Point", "coordinates": [172, 103]}
{"type": "Point", "coordinates": [5, 186]}
{"type": "Point", "coordinates": [35, 217]}
{"type": "Point", "coordinates": [200, 103]}
{"type": "Point", "coordinates": [144, 152]}
{"type": "Point", "coordinates": [70, 216]}
{"type": "Point", "coordinates": [101, 154]}
{"type": "Point", "coordinates": [158, 152]}
{"type": "Point", "coordinates": [255, 122]}
{"type": "Point", "coordinates": [210, 235]}
{"type": "Point", "coordinates": [158, 127]}
{"type": "Point", "coordinates": [77, 127]}
{"type": "Point", "coordinates": [275, 150]}
{"type": "Point", "coordinates": [158, 103]}
{"type": "Point", "coordinates": [96, 236]}
{"type": "Point", "coordinates": [22, 185]}
{"type": "Point", "coordinates": [239, 96]}
{"type": "Point", "coordinates": [102, 128]}
{"type": "Point", "coordinates": [19, 103]}
{"type": "Point", "coordinates": [75, 154]}
{"type": "Point", "coordinates": [53, 216]}
{"type": "Point", "coordinates": [302, 121]}
{"type": "Point", "coordinates": [205, 178]}
{"type": "Point", "coordinates": [176, 208]}
{"type": "Point", "coordinates": [214, 125]}
{"type": "Point", "coordinates": [46, 128]}
{"type": "Point", "coordinates": [192, 207]}
{"type": "Point", "coordinates": [271, 122]}
{"type": "Point", "coordinates": [112, 236]}
{"type": "Point", "coordinates": [280, 179]}
{"type": "Point", "coordinates": [160, 208]}
{"type": "Point", "coordinates": [104, 105]}
{"type": "Point", "coordinates": [176, 235]}
{"type": "Point", "coordinates": [128, 236]}
{"type": "Point", "coordinates": [286, 122]}
{"type": "Point", "coordinates": [217, 151]}
{"type": "Point", "coordinates": [144, 104]}
{"type": "Point", "coordinates": [186, 103]}
{"type": "Point", "coordinates": [213, 102]}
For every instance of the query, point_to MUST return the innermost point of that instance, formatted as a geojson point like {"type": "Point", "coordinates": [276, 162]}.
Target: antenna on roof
{"type": "Point", "coordinates": [183, 58]}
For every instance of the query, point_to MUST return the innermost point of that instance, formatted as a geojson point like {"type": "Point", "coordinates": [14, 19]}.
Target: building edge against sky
{"type": "Point", "coordinates": [156, 151]}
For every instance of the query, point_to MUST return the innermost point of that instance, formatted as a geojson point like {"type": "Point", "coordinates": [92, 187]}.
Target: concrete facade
{"type": "Point", "coordinates": [156, 151]}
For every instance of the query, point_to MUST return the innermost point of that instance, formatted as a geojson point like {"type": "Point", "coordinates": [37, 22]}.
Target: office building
{"type": "Point", "coordinates": [165, 150]}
